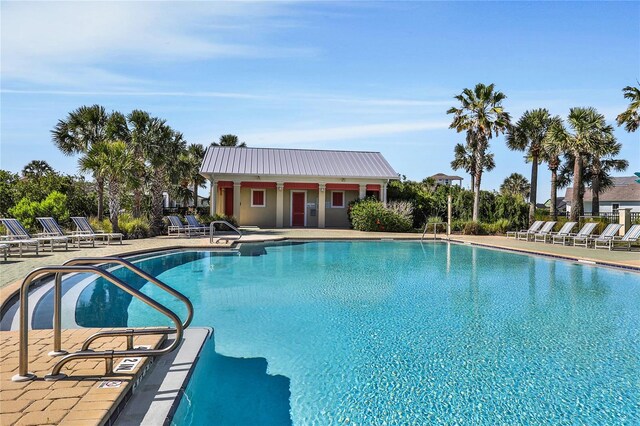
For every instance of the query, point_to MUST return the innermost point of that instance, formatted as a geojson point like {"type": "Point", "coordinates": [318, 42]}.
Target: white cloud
{"type": "Point", "coordinates": [75, 43]}
{"type": "Point", "coordinates": [341, 133]}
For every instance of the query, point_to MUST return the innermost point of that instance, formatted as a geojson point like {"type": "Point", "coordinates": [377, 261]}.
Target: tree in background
{"type": "Point", "coordinates": [84, 127]}
{"type": "Point", "coordinates": [229, 140]}
{"type": "Point", "coordinates": [630, 118]}
{"type": "Point", "coordinates": [516, 184]}
{"type": "Point", "coordinates": [528, 134]}
{"type": "Point", "coordinates": [114, 162]}
{"type": "Point", "coordinates": [36, 169]}
{"type": "Point", "coordinates": [588, 131]}
{"type": "Point", "coordinates": [195, 155]}
{"type": "Point", "coordinates": [465, 159]}
{"type": "Point", "coordinates": [482, 117]}
{"type": "Point", "coordinates": [551, 152]}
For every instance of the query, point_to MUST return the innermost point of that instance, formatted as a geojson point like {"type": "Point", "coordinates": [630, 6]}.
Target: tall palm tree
{"type": "Point", "coordinates": [162, 153]}
{"type": "Point", "coordinates": [631, 117]}
{"type": "Point", "coordinates": [229, 140]}
{"type": "Point", "coordinates": [140, 138]}
{"type": "Point", "coordinates": [482, 117]}
{"type": "Point", "coordinates": [589, 131]}
{"type": "Point", "coordinates": [528, 135]}
{"type": "Point", "coordinates": [516, 184]}
{"type": "Point", "coordinates": [37, 169]}
{"type": "Point", "coordinates": [195, 155]}
{"type": "Point", "coordinates": [551, 152]}
{"type": "Point", "coordinates": [84, 127]}
{"type": "Point", "coordinates": [602, 162]}
{"type": "Point", "coordinates": [116, 165]}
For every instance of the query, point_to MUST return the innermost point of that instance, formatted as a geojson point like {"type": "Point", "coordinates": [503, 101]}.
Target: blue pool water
{"type": "Point", "coordinates": [397, 333]}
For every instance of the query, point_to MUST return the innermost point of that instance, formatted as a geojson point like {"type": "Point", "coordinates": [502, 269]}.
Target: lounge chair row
{"type": "Point", "coordinates": [541, 231]}
{"type": "Point", "coordinates": [52, 235]}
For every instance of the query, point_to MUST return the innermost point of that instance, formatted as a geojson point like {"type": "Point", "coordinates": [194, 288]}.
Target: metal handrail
{"type": "Point", "coordinates": [23, 369]}
{"type": "Point", "coordinates": [212, 229]}
{"type": "Point", "coordinates": [57, 307]}
{"type": "Point", "coordinates": [435, 229]}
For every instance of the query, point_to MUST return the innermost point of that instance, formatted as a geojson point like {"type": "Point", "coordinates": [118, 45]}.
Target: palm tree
{"type": "Point", "coordinates": [482, 116]}
{"type": "Point", "coordinates": [516, 184]}
{"type": "Point", "coordinates": [84, 127]}
{"type": "Point", "coordinates": [528, 135]}
{"type": "Point", "coordinates": [162, 153]}
{"type": "Point", "coordinates": [464, 159]}
{"type": "Point", "coordinates": [115, 164]}
{"type": "Point", "coordinates": [589, 131]}
{"type": "Point", "coordinates": [631, 117]}
{"type": "Point", "coordinates": [229, 140]}
{"type": "Point", "coordinates": [37, 169]}
{"type": "Point", "coordinates": [195, 155]}
{"type": "Point", "coordinates": [551, 152]}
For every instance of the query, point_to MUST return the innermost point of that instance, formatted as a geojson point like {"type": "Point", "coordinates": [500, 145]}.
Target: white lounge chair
{"type": "Point", "coordinates": [548, 237]}
{"type": "Point", "coordinates": [18, 235]}
{"type": "Point", "coordinates": [51, 227]}
{"type": "Point", "coordinates": [546, 229]}
{"type": "Point", "coordinates": [535, 226]}
{"type": "Point", "coordinates": [631, 236]}
{"type": "Point", "coordinates": [609, 232]}
{"type": "Point", "coordinates": [582, 235]}
{"type": "Point", "coordinates": [84, 228]}
{"type": "Point", "coordinates": [5, 250]}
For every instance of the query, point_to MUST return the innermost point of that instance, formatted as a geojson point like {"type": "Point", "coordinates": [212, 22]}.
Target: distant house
{"type": "Point", "coordinates": [275, 188]}
{"type": "Point", "coordinates": [168, 202]}
{"type": "Point", "coordinates": [561, 205]}
{"type": "Point", "coordinates": [443, 179]}
{"type": "Point", "coordinates": [625, 193]}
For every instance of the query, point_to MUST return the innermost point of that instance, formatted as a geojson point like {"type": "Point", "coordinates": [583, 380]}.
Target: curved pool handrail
{"type": "Point", "coordinates": [212, 228]}
{"type": "Point", "coordinates": [133, 268]}
{"type": "Point", "coordinates": [23, 369]}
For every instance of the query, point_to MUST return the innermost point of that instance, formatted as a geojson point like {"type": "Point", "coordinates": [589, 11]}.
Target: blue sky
{"type": "Point", "coordinates": [375, 76]}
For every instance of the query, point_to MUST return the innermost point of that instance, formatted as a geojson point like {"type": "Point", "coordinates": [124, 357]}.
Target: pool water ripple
{"type": "Point", "coordinates": [405, 333]}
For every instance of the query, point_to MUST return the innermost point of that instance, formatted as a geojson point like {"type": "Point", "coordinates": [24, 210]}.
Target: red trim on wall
{"type": "Point", "coordinates": [225, 184]}
{"type": "Point", "coordinates": [258, 185]}
{"type": "Point", "coordinates": [300, 185]}
{"type": "Point", "coordinates": [342, 187]}
{"type": "Point", "coordinates": [373, 187]}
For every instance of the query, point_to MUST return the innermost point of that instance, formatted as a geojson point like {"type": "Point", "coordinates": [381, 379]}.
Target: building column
{"type": "Point", "coordinates": [321, 205]}
{"type": "Point", "coordinates": [363, 191]}
{"type": "Point", "coordinates": [279, 204]}
{"type": "Point", "coordinates": [213, 198]}
{"type": "Point", "coordinates": [236, 201]}
{"type": "Point", "coordinates": [383, 193]}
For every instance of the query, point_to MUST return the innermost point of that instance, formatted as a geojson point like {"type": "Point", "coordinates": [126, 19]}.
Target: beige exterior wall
{"type": "Point", "coordinates": [264, 217]}
{"type": "Point", "coordinates": [337, 217]}
{"type": "Point", "coordinates": [267, 217]}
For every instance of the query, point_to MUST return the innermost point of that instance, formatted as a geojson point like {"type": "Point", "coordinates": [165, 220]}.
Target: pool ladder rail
{"type": "Point", "coordinates": [212, 229]}
{"type": "Point", "coordinates": [435, 229]}
{"type": "Point", "coordinates": [89, 265]}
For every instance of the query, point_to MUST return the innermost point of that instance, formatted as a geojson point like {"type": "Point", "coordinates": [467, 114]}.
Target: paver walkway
{"type": "Point", "coordinates": [83, 398]}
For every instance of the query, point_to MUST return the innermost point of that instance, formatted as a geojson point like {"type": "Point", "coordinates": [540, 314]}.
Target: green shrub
{"type": "Point", "coordinates": [372, 215]}
{"type": "Point", "coordinates": [100, 225]}
{"type": "Point", "coordinates": [134, 228]}
{"type": "Point", "coordinates": [54, 205]}
{"type": "Point", "coordinates": [500, 226]}
{"type": "Point", "coordinates": [474, 228]}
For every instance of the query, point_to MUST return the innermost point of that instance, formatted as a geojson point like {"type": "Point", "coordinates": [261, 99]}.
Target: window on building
{"type": "Point", "coordinates": [337, 199]}
{"type": "Point", "coordinates": [258, 198]}
{"type": "Point", "coordinates": [373, 194]}
{"type": "Point", "coordinates": [615, 207]}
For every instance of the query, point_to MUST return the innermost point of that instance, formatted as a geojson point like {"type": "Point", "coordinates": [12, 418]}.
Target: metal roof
{"type": "Point", "coordinates": [295, 162]}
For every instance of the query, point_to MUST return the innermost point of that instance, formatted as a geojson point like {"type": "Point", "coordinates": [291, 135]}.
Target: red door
{"type": "Point", "coordinates": [297, 208]}
{"type": "Point", "coordinates": [228, 202]}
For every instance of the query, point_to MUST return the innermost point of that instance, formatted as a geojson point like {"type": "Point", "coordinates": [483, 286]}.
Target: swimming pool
{"type": "Point", "coordinates": [397, 332]}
